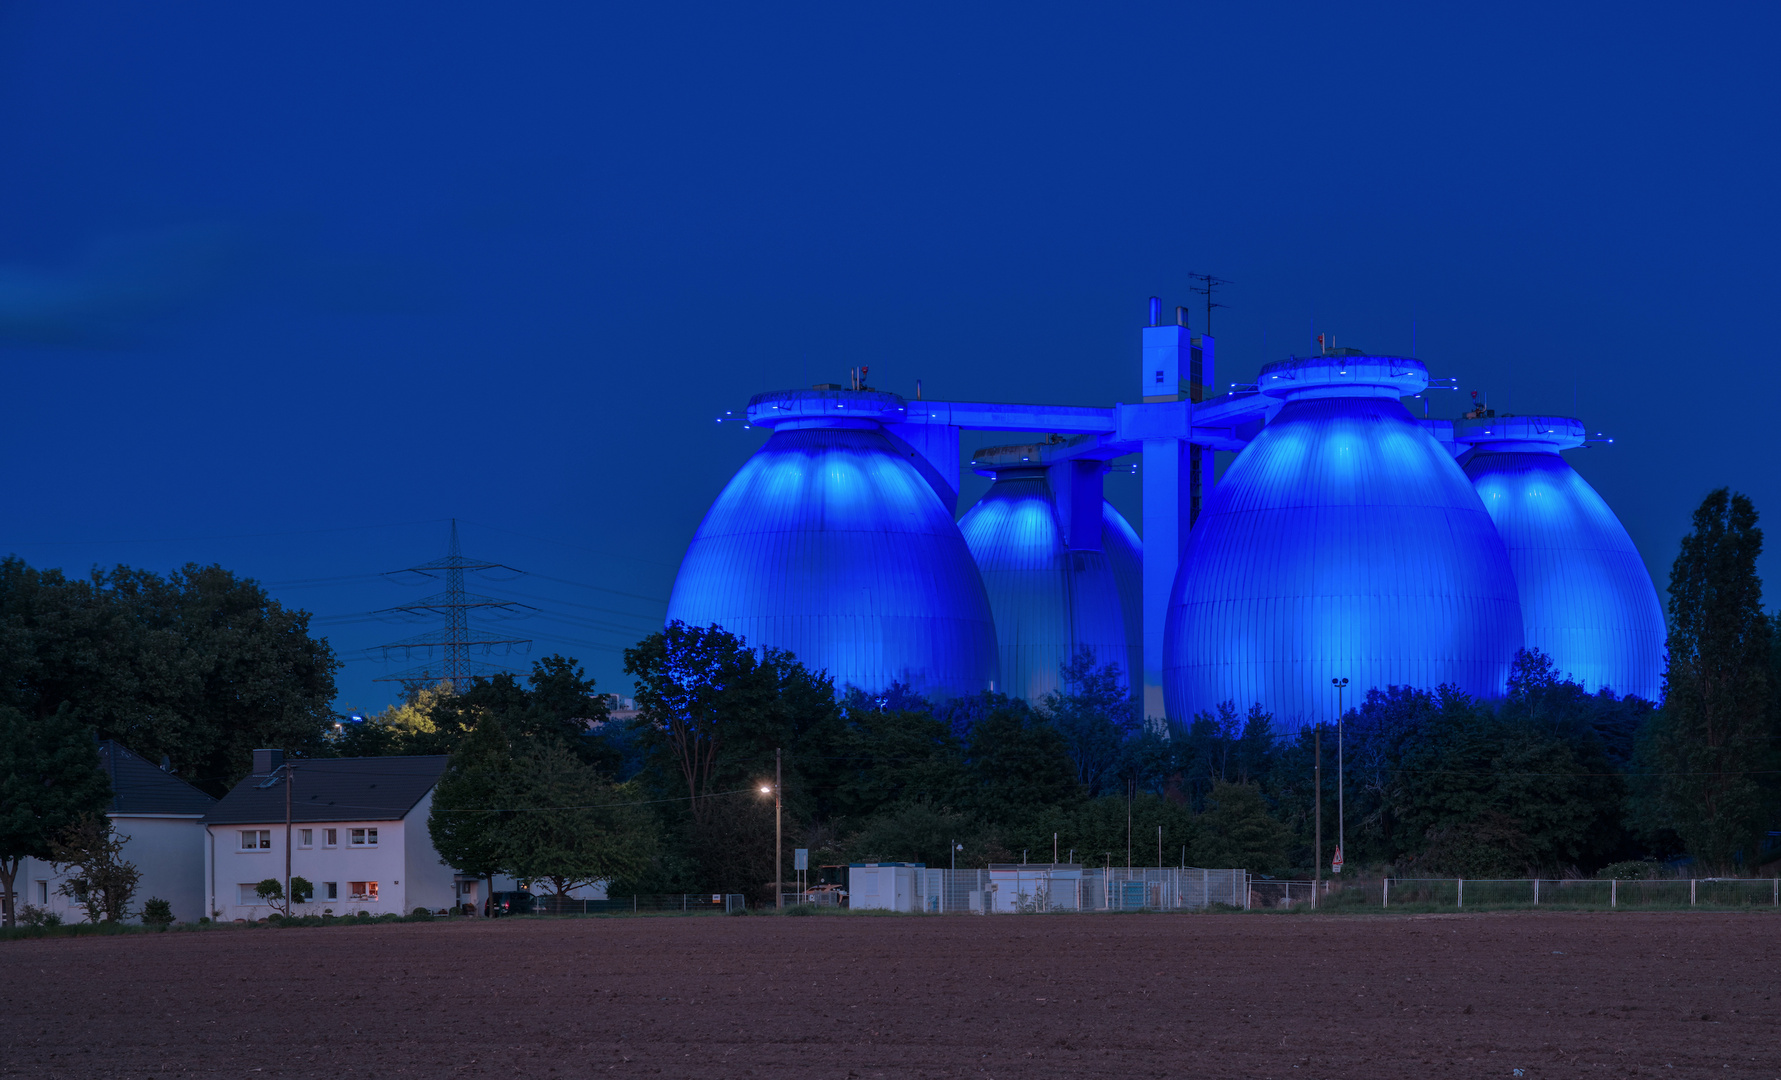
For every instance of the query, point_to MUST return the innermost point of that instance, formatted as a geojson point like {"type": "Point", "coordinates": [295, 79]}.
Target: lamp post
{"type": "Point", "coordinates": [778, 830]}
{"type": "Point", "coordinates": [1341, 831]}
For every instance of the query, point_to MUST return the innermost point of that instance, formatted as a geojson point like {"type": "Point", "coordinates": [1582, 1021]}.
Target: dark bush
{"type": "Point", "coordinates": [156, 912]}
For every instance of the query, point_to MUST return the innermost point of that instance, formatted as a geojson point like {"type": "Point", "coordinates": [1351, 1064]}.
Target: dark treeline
{"type": "Point", "coordinates": [199, 666]}
{"type": "Point", "coordinates": [545, 785]}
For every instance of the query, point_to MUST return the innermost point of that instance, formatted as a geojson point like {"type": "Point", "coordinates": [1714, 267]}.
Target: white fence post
{"type": "Point", "coordinates": [1462, 892]}
{"type": "Point", "coordinates": [1536, 892]}
{"type": "Point", "coordinates": [1690, 892]}
{"type": "Point", "coordinates": [1385, 901]}
{"type": "Point", "coordinates": [1613, 892]}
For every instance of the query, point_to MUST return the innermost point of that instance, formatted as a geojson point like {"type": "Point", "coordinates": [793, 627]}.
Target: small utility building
{"type": "Point", "coordinates": [893, 886]}
{"type": "Point", "coordinates": [358, 834]}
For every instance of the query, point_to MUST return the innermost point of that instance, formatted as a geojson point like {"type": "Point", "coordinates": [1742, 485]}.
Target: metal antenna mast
{"type": "Point", "coordinates": [455, 639]}
{"type": "Point", "coordinates": [1207, 285]}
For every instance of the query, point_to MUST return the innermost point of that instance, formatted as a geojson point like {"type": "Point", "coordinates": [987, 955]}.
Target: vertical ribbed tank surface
{"type": "Point", "coordinates": [1125, 553]}
{"type": "Point", "coordinates": [830, 543]}
{"type": "Point", "coordinates": [1343, 542]}
{"type": "Point", "coordinates": [1049, 602]}
{"type": "Point", "coordinates": [1587, 600]}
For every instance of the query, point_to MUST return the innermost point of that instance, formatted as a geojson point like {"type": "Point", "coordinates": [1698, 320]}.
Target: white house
{"type": "Point", "coordinates": [162, 815]}
{"type": "Point", "coordinates": [358, 834]}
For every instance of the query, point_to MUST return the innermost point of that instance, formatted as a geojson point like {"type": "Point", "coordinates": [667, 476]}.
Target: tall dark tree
{"type": "Point", "coordinates": [1238, 831]}
{"type": "Point", "coordinates": [1704, 754]}
{"type": "Point", "coordinates": [1019, 763]}
{"type": "Point", "coordinates": [49, 781]}
{"type": "Point", "coordinates": [572, 827]}
{"type": "Point", "coordinates": [896, 756]}
{"type": "Point", "coordinates": [1094, 711]}
{"type": "Point", "coordinates": [694, 686]}
{"type": "Point", "coordinates": [200, 665]}
{"type": "Point", "coordinates": [471, 815]}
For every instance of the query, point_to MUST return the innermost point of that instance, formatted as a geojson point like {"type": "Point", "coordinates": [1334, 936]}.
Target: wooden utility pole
{"type": "Point", "coordinates": [1317, 798]}
{"type": "Point", "coordinates": [287, 839]}
{"type": "Point", "coordinates": [778, 834]}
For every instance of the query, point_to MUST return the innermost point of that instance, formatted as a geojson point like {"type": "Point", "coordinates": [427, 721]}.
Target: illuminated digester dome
{"type": "Point", "coordinates": [1587, 600]}
{"type": "Point", "coordinates": [830, 542]}
{"type": "Point", "coordinates": [1050, 602]}
{"type": "Point", "coordinates": [1343, 542]}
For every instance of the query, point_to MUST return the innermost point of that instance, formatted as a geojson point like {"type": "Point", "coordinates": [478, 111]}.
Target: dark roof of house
{"type": "Point", "coordinates": [138, 787]}
{"type": "Point", "coordinates": [333, 789]}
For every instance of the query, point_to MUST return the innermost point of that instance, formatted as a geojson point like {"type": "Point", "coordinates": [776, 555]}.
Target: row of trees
{"type": "Point", "coordinates": [545, 786]}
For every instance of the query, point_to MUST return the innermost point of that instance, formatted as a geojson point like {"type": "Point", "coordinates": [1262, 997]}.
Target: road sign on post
{"type": "Point", "coordinates": [800, 858]}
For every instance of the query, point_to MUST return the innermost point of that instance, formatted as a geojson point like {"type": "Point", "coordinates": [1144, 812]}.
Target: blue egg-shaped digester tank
{"type": "Point", "coordinates": [1587, 600]}
{"type": "Point", "coordinates": [1052, 599]}
{"type": "Point", "coordinates": [831, 542]}
{"type": "Point", "coordinates": [1342, 543]}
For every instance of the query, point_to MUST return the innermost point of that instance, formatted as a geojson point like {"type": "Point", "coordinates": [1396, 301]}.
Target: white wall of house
{"type": "Point", "coordinates": [380, 867]}
{"type": "Point", "coordinates": [168, 850]}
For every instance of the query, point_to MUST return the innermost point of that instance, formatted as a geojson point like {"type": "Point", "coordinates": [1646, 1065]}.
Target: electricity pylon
{"type": "Point", "coordinates": [456, 638]}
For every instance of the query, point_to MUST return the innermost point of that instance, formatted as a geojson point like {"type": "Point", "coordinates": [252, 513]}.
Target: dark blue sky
{"type": "Point", "coordinates": [288, 290]}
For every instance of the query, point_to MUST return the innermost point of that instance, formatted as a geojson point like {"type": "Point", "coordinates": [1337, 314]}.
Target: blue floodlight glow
{"type": "Point", "coordinates": [1587, 600]}
{"type": "Point", "coordinates": [1344, 541]}
{"type": "Point", "coordinates": [1125, 553]}
{"type": "Point", "coordinates": [829, 543]}
{"type": "Point", "coordinates": [1049, 602]}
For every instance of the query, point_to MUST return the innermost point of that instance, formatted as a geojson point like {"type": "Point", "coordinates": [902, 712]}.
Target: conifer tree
{"type": "Point", "coordinates": [1703, 756]}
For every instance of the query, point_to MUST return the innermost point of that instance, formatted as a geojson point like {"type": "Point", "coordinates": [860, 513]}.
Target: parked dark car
{"type": "Point", "coordinates": [508, 903]}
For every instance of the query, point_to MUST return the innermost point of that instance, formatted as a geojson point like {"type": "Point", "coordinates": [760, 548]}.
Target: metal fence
{"type": "Point", "coordinates": [1035, 888]}
{"type": "Point", "coordinates": [1655, 892]}
{"type": "Point", "coordinates": [1283, 893]}
{"type": "Point", "coordinates": [689, 902]}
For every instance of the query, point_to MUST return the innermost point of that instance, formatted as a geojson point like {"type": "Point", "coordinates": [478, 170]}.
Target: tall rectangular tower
{"type": "Point", "coordinates": [1177, 477]}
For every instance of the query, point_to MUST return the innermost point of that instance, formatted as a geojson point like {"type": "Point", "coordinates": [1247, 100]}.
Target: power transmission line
{"type": "Point", "coordinates": [1206, 287]}
{"type": "Point", "coordinates": [455, 638]}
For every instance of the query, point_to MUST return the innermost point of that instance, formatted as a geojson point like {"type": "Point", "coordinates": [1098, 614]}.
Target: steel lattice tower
{"type": "Point", "coordinates": [456, 638]}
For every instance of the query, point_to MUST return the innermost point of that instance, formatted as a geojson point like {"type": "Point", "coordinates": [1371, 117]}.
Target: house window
{"type": "Point", "coordinates": [256, 839]}
{"type": "Point", "coordinates": [306, 897]}
{"type": "Point", "coordinates": [330, 837]}
{"type": "Point", "coordinates": [305, 837]}
{"type": "Point", "coordinates": [362, 890]}
{"type": "Point", "coordinates": [1159, 376]}
{"type": "Point", "coordinates": [43, 893]}
{"type": "Point", "coordinates": [248, 895]}
{"type": "Point", "coordinates": [330, 890]}
{"type": "Point", "coordinates": [364, 837]}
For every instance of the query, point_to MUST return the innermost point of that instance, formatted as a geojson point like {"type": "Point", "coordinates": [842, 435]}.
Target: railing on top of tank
{"type": "Point", "coordinates": [1582, 892]}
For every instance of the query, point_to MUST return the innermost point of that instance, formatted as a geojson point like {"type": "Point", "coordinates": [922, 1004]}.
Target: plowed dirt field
{"type": "Point", "coordinates": [1551, 995]}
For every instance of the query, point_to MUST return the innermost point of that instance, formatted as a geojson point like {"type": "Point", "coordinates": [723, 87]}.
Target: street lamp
{"type": "Point", "coordinates": [778, 829]}
{"type": "Point", "coordinates": [1341, 834]}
